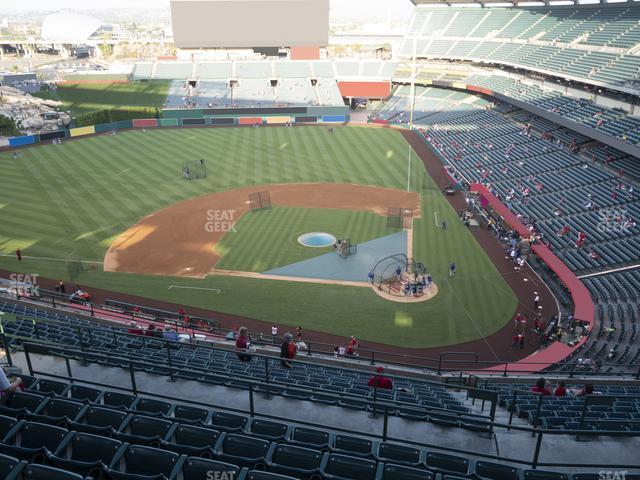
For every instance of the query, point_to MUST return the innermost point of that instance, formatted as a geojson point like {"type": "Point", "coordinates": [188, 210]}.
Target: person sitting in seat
{"type": "Point", "coordinates": [380, 381]}
{"type": "Point", "coordinates": [8, 388]}
{"type": "Point", "coordinates": [134, 329]}
{"type": "Point", "coordinates": [541, 387]}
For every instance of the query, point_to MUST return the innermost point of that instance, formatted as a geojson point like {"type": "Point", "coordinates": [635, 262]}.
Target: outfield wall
{"type": "Point", "coordinates": [201, 118]}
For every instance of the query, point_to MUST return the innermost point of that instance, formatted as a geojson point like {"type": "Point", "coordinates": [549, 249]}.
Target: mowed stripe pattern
{"type": "Point", "coordinates": [75, 198]}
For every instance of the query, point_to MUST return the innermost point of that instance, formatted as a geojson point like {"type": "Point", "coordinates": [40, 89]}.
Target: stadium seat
{"type": "Point", "coordinates": [139, 462]}
{"type": "Point", "coordinates": [10, 467]}
{"type": "Point", "coordinates": [336, 466]}
{"type": "Point", "coordinates": [32, 440]}
{"type": "Point", "coordinates": [56, 411]}
{"type": "Point", "coordinates": [352, 445]}
{"type": "Point", "coordinates": [191, 440]}
{"type": "Point", "coordinates": [228, 421]}
{"type": "Point", "coordinates": [44, 472]}
{"type": "Point", "coordinates": [188, 414]}
{"type": "Point", "coordinates": [49, 387]}
{"type": "Point", "coordinates": [295, 461]}
{"type": "Point", "coordinates": [142, 430]}
{"type": "Point", "coordinates": [85, 453]}
{"type": "Point", "coordinates": [258, 475]}
{"type": "Point", "coordinates": [7, 424]}
{"type": "Point", "coordinates": [447, 464]}
{"type": "Point", "coordinates": [242, 450]}
{"type": "Point", "coordinates": [496, 471]}
{"type": "Point", "coordinates": [544, 475]}
{"type": "Point", "coordinates": [150, 406]}
{"type": "Point", "coordinates": [21, 403]}
{"type": "Point", "coordinates": [393, 453]}
{"type": "Point", "coordinates": [388, 471]}
{"type": "Point", "coordinates": [309, 437]}
{"type": "Point", "coordinates": [85, 394]}
{"type": "Point", "coordinates": [118, 400]}
{"type": "Point", "coordinates": [273, 431]}
{"type": "Point", "coordinates": [100, 420]}
{"type": "Point", "coordinates": [196, 468]}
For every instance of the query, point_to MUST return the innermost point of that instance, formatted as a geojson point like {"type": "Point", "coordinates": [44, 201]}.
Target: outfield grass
{"type": "Point", "coordinates": [86, 98]}
{"type": "Point", "coordinates": [269, 238]}
{"type": "Point", "coordinates": [75, 198]}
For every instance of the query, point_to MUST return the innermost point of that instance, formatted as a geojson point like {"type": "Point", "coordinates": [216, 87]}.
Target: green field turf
{"type": "Point", "coordinates": [90, 97]}
{"type": "Point", "coordinates": [75, 198]}
{"type": "Point", "coordinates": [269, 239]}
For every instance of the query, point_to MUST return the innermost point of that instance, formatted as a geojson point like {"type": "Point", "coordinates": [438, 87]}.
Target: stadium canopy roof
{"type": "Point", "coordinates": [68, 27]}
{"type": "Point", "coordinates": [514, 3]}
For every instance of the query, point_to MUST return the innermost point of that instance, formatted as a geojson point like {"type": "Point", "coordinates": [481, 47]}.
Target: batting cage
{"type": "Point", "coordinates": [259, 200]}
{"type": "Point", "coordinates": [399, 217]}
{"type": "Point", "coordinates": [392, 274]}
{"type": "Point", "coordinates": [194, 169]}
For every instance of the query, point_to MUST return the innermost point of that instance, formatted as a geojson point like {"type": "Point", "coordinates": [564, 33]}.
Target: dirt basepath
{"type": "Point", "coordinates": [180, 239]}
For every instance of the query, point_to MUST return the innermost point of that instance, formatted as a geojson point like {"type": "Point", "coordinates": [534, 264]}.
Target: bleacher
{"type": "Point", "coordinates": [591, 43]}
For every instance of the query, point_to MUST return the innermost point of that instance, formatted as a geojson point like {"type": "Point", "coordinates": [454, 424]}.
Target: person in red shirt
{"type": "Point", "coordinates": [541, 387]}
{"type": "Point", "coordinates": [134, 329]}
{"type": "Point", "coordinates": [352, 346]}
{"type": "Point", "coordinates": [561, 390]}
{"type": "Point", "coordinates": [182, 312]}
{"type": "Point", "coordinates": [242, 344]}
{"type": "Point", "coordinates": [19, 254]}
{"type": "Point", "coordinates": [288, 350]}
{"type": "Point", "coordinates": [380, 381]}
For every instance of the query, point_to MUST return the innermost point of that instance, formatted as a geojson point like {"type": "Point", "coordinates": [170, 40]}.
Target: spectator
{"type": "Point", "coordinates": [288, 350]}
{"type": "Point", "coordinates": [561, 389]}
{"type": "Point", "coordinates": [182, 312]}
{"type": "Point", "coordinates": [6, 387]}
{"type": "Point", "coordinates": [274, 332]}
{"type": "Point", "coordinates": [61, 288]}
{"type": "Point", "coordinates": [380, 381]}
{"type": "Point", "coordinates": [299, 333]}
{"type": "Point", "coordinates": [243, 344]}
{"type": "Point", "coordinates": [541, 387]}
{"type": "Point", "coordinates": [151, 331]}
{"type": "Point", "coordinates": [170, 334]}
{"type": "Point", "coordinates": [134, 329]}
{"type": "Point", "coordinates": [587, 390]}
{"type": "Point", "coordinates": [19, 254]}
{"type": "Point", "coordinates": [353, 346]}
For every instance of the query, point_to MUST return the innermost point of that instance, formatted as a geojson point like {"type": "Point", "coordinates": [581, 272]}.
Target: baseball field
{"type": "Point", "coordinates": [69, 204]}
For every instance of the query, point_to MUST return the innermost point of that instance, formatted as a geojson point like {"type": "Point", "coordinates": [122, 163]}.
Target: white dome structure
{"type": "Point", "coordinates": [69, 27]}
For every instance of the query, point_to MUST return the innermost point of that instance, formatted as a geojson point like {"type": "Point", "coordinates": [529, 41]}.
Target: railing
{"type": "Point", "coordinates": [430, 365]}
{"type": "Point", "coordinates": [254, 387]}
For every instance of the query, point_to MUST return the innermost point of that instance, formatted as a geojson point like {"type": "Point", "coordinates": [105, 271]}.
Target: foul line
{"type": "Point", "coordinates": [53, 259]}
{"type": "Point", "coordinates": [217, 290]}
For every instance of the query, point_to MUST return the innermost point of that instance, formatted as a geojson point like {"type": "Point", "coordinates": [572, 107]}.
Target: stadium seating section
{"type": "Point", "coordinates": [55, 430]}
{"type": "Point", "coordinates": [591, 43]}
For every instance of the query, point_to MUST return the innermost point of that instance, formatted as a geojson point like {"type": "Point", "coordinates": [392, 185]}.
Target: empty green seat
{"type": "Point", "coordinates": [139, 429]}
{"type": "Point", "coordinates": [269, 430]}
{"type": "Point", "coordinates": [43, 472]}
{"type": "Point", "coordinates": [393, 453]}
{"type": "Point", "coordinates": [20, 403]}
{"type": "Point", "coordinates": [33, 439]}
{"type": "Point", "coordinates": [444, 463]}
{"type": "Point", "coordinates": [191, 440]}
{"type": "Point", "coordinates": [139, 462]}
{"type": "Point", "coordinates": [496, 471]}
{"type": "Point", "coordinates": [191, 414]}
{"type": "Point", "coordinates": [9, 466]}
{"type": "Point", "coordinates": [118, 400]}
{"type": "Point", "coordinates": [310, 437]}
{"type": "Point", "coordinates": [352, 445]}
{"type": "Point", "coordinates": [56, 411]}
{"type": "Point", "coordinates": [196, 468]}
{"type": "Point", "coordinates": [151, 406]}
{"type": "Point", "coordinates": [388, 471]}
{"type": "Point", "coordinates": [242, 450]}
{"type": "Point", "coordinates": [336, 466]}
{"type": "Point", "coordinates": [85, 453]}
{"type": "Point", "coordinates": [228, 421]}
{"type": "Point", "coordinates": [100, 420]}
{"type": "Point", "coordinates": [296, 461]}
{"type": "Point", "coordinates": [85, 394]}
{"type": "Point", "coordinates": [544, 475]}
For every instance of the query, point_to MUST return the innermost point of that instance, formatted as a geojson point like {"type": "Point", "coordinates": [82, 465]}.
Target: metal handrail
{"type": "Point", "coordinates": [432, 364]}
{"type": "Point", "coordinates": [384, 436]}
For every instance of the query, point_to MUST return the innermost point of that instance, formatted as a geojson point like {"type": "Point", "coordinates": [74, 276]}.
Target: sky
{"type": "Point", "coordinates": [351, 9]}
